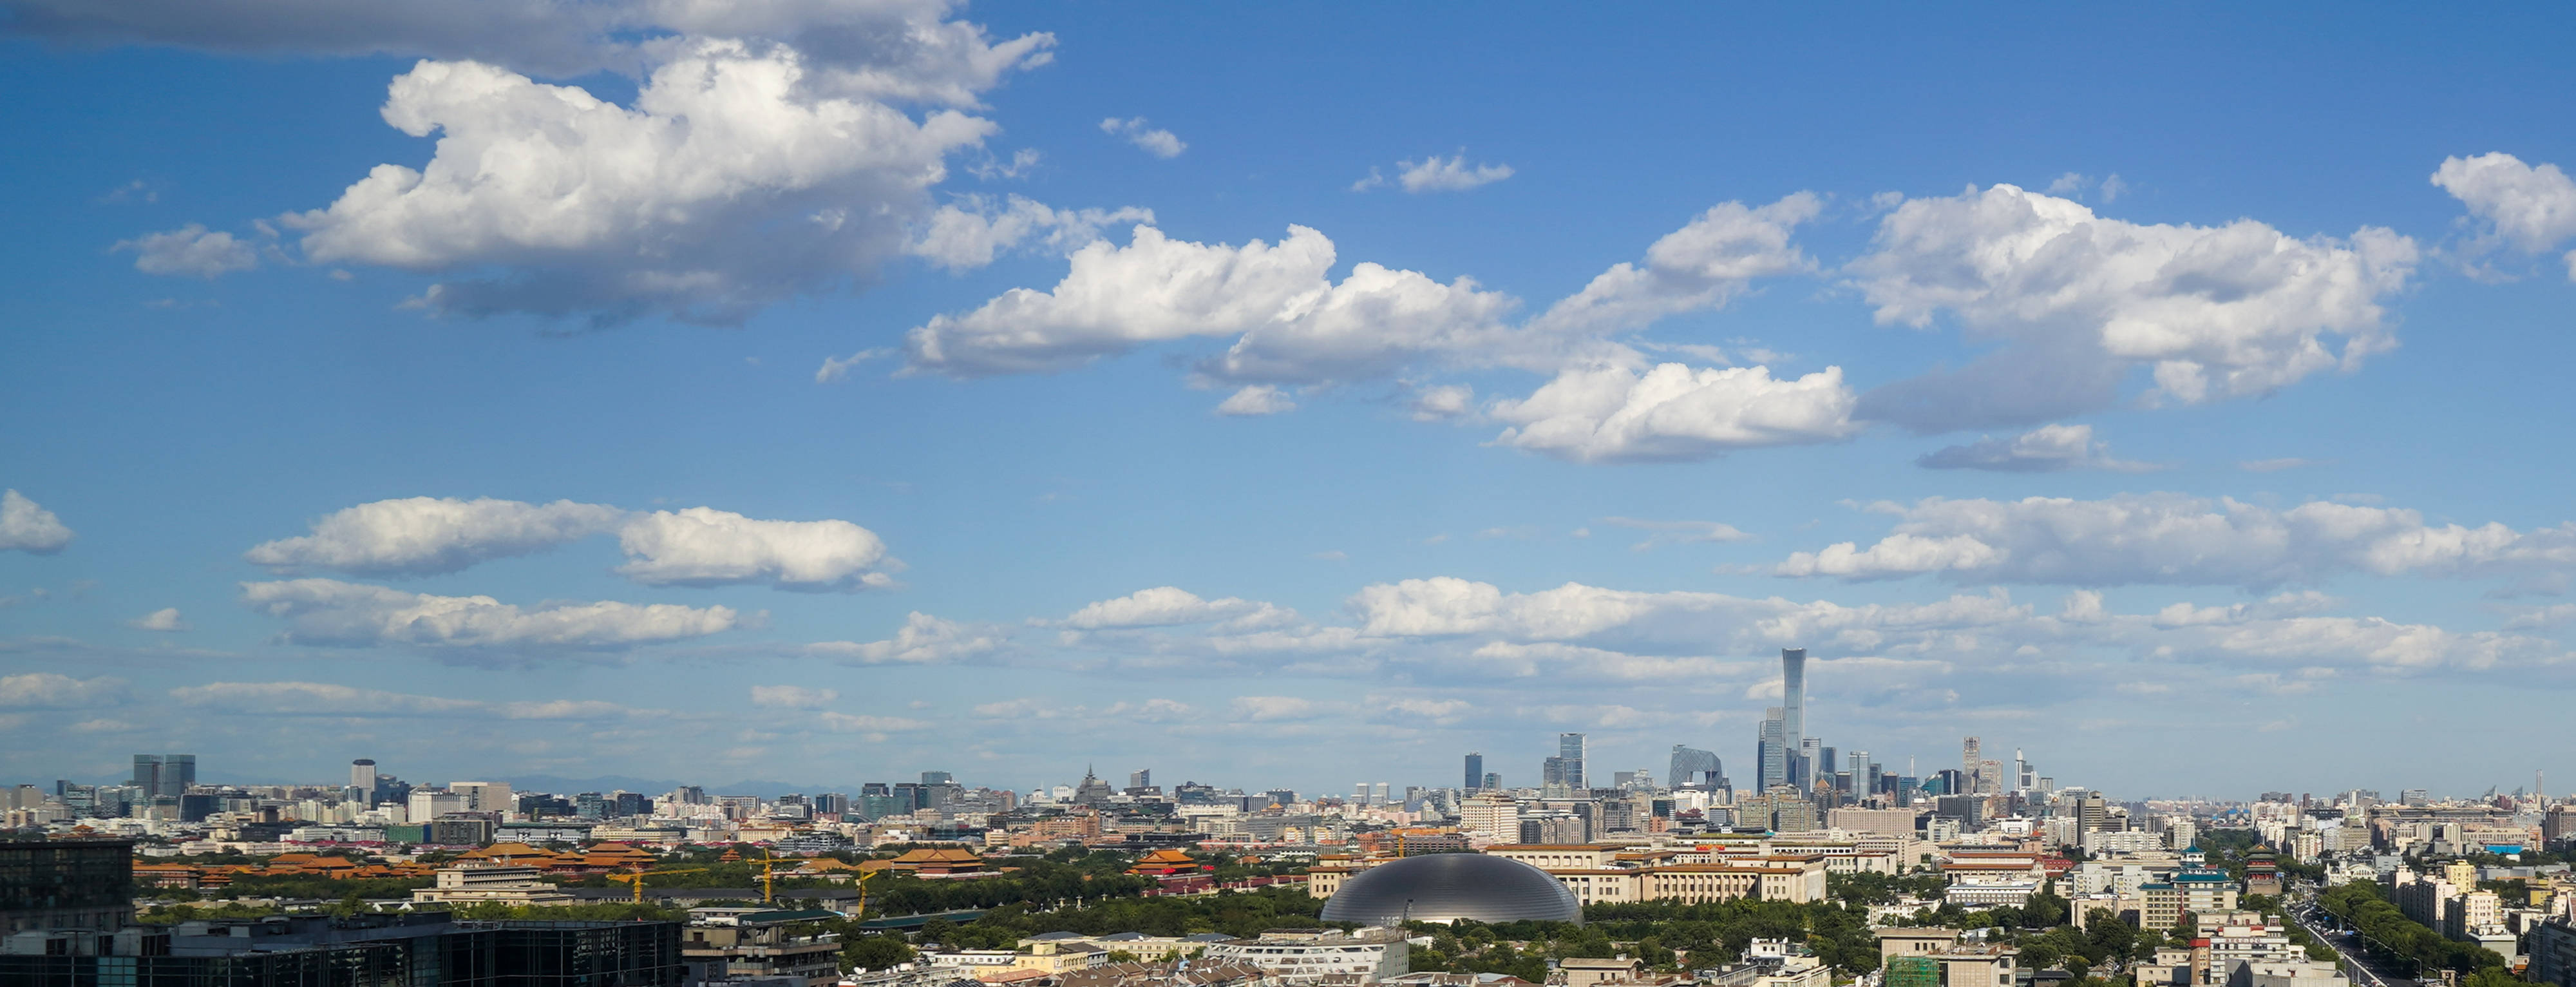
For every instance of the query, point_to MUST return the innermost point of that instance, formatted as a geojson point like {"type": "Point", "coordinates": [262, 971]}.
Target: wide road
{"type": "Point", "coordinates": [2358, 964]}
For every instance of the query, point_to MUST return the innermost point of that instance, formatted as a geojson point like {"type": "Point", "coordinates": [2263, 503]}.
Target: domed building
{"type": "Point", "coordinates": [1448, 887]}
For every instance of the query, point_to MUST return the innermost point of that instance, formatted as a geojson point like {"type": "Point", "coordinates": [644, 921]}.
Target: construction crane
{"type": "Point", "coordinates": [636, 880]}
{"type": "Point", "coordinates": [768, 878]}
{"type": "Point", "coordinates": [864, 877]}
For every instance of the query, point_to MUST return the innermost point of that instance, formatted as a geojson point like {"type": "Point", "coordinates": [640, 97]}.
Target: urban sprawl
{"type": "Point", "coordinates": [1817, 867]}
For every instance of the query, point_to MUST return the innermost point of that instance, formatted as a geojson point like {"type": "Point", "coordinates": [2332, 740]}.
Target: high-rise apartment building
{"type": "Point", "coordinates": [1475, 771]}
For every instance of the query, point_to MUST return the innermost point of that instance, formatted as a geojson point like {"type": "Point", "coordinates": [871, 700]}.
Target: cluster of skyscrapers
{"type": "Point", "coordinates": [1789, 761]}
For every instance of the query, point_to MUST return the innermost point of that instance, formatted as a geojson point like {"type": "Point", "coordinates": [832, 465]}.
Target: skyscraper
{"type": "Point", "coordinates": [1475, 771]}
{"type": "Point", "coordinates": [1692, 766]}
{"type": "Point", "coordinates": [362, 776]}
{"type": "Point", "coordinates": [165, 774]}
{"type": "Point", "coordinates": [1793, 695]}
{"type": "Point", "coordinates": [1970, 759]}
{"type": "Point", "coordinates": [1772, 751]}
{"type": "Point", "coordinates": [1569, 748]}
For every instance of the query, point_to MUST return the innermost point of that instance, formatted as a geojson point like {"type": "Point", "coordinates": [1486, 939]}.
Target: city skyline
{"type": "Point", "coordinates": [720, 398]}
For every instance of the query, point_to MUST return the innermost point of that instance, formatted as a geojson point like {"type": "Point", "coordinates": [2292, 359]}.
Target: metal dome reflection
{"type": "Point", "coordinates": [1447, 887]}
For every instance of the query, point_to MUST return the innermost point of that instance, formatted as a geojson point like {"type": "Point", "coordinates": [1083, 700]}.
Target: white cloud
{"type": "Point", "coordinates": [2530, 207]}
{"type": "Point", "coordinates": [1255, 400]}
{"type": "Point", "coordinates": [1517, 633]}
{"type": "Point", "coordinates": [1295, 326]}
{"type": "Point", "coordinates": [1677, 532]}
{"type": "Point", "coordinates": [1438, 174]}
{"type": "Point", "coordinates": [1270, 709]}
{"type": "Point", "coordinates": [699, 546]}
{"type": "Point", "coordinates": [968, 233]}
{"type": "Point", "coordinates": [327, 699]}
{"type": "Point", "coordinates": [1703, 265]}
{"type": "Point", "coordinates": [702, 546]}
{"type": "Point", "coordinates": [2177, 539]}
{"type": "Point", "coordinates": [1159, 143]}
{"type": "Point", "coordinates": [28, 527]}
{"type": "Point", "coordinates": [1672, 412]}
{"type": "Point", "coordinates": [425, 535]}
{"type": "Point", "coordinates": [792, 697]}
{"type": "Point", "coordinates": [860, 723]}
{"type": "Point", "coordinates": [1165, 606]}
{"type": "Point", "coordinates": [923, 640]}
{"type": "Point", "coordinates": [2081, 301]}
{"type": "Point", "coordinates": [836, 367]}
{"type": "Point", "coordinates": [728, 184]}
{"type": "Point", "coordinates": [1022, 162]}
{"type": "Point", "coordinates": [330, 612]}
{"type": "Point", "coordinates": [164, 619]}
{"type": "Point", "coordinates": [51, 690]}
{"type": "Point", "coordinates": [1443, 402]}
{"type": "Point", "coordinates": [903, 50]}
{"type": "Point", "coordinates": [191, 251]}
{"type": "Point", "coordinates": [2046, 449]}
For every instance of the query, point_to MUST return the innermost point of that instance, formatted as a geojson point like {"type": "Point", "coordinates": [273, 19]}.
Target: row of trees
{"type": "Point", "coordinates": [2362, 906]}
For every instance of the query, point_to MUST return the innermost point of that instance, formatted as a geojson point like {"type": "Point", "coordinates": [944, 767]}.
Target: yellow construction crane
{"type": "Point", "coordinates": [637, 879]}
{"type": "Point", "coordinates": [768, 878]}
{"type": "Point", "coordinates": [864, 877]}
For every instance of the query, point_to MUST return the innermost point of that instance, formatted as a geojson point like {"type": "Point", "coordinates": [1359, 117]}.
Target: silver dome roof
{"type": "Point", "coordinates": [1447, 887]}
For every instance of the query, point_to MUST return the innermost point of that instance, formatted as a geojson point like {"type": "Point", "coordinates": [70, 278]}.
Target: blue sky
{"type": "Point", "coordinates": [2238, 334]}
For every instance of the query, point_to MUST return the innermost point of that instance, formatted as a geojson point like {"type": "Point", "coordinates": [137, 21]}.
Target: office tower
{"type": "Point", "coordinates": [1551, 778]}
{"type": "Point", "coordinates": [2025, 777]}
{"type": "Point", "coordinates": [1772, 751]}
{"type": "Point", "coordinates": [362, 776]}
{"type": "Point", "coordinates": [938, 778]}
{"type": "Point", "coordinates": [1493, 781]}
{"type": "Point", "coordinates": [1793, 695]}
{"type": "Point", "coordinates": [1475, 771]}
{"type": "Point", "coordinates": [1569, 746]}
{"type": "Point", "coordinates": [1359, 793]}
{"type": "Point", "coordinates": [1969, 762]}
{"type": "Point", "coordinates": [2092, 814]}
{"type": "Point", "coordinates": [165, 774]}
{"type": "Point", "coordinates": [485, 796]}
{"type": "Point", "coordinates": [1137, 780]}
{"type": "Point", "coordinates": [1693, 767]}
{"type": "Point", "coordinates": [1381, 797]}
